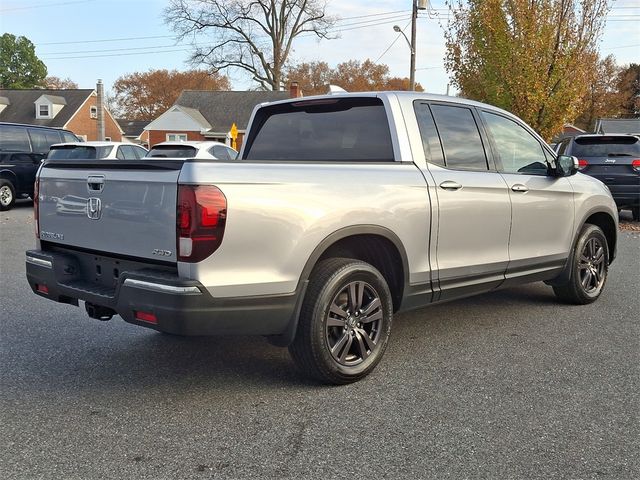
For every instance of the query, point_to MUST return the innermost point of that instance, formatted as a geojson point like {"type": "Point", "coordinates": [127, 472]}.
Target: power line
{"type": "Point", "coordinates": [109, 50]}
{"type": "Point", "coordinates": [392, 43]}
{"type": "Point", "coordinates": [45, 5]}
{"type": "Point", "coordinates": [120, 54]}
{"type": "Point", "coordinates": [104, 40]}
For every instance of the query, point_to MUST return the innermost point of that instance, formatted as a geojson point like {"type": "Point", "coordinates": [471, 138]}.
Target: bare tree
{"type": "Point", "coordinates": [256, 36]}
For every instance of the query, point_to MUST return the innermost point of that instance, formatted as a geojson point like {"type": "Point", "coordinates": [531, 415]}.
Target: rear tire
{"type": "Point", "coordinates": [7, 195]}
{"type": "Point", "coordinates": [635, 213]}
{"type": "Point", "coordinates": [345, 322]}
{"type": "Point", "coordinates": [589, 268]}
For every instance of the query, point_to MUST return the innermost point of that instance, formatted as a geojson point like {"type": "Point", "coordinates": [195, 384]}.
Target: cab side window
{"type": "Point", "coordinates": [430, 140]}
{"type": "Point", "coordinates": [519, 151]}
{"type": "Point", "coordinates": [460, 137]}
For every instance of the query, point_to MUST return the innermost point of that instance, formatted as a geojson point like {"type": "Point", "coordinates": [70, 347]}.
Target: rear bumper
{"type": "Point", "coordinates": [182, 307]}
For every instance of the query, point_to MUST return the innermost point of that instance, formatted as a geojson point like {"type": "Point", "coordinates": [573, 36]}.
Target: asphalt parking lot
{"type": "Point", "coordinates": [505, 385]}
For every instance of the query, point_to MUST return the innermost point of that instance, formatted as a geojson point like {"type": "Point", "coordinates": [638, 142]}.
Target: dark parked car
{"type": "Point", "coordinates": [22, 147]}
{"type": "Point", "coordinates": [612, 159]}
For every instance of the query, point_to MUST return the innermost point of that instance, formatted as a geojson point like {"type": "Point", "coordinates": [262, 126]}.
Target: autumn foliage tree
{"type": "Point", "coordinates": [526, 56]}
{"type": "Point", "coordinates": [602, 97]}
{"type": "Point", "coordinates": [354, 76]}
{"type": "Point", "coordinates": [629, 88]}
{"type": "Point", "coordinates": [145, 95]}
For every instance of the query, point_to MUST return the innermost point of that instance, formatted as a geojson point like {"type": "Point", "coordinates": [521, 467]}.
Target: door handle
{"type": "Point", "coordinates": [518, 187]}
{"type": "Point", "coordinates": [450, 185]}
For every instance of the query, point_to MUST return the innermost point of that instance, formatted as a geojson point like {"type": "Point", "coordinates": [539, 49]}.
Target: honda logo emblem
{"type": "Point", "coordinates": [94, 208]}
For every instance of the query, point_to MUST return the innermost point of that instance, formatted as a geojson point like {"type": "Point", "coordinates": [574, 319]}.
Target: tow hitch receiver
{"type": "Point", "coordinates": [98, 312]}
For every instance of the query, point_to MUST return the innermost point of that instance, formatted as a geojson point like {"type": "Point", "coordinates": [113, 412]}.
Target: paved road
{"type": "Point", "coordinates": [506, 385]}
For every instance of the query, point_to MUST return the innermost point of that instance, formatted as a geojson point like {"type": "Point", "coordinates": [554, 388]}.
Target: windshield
{"type": "Point", "coordinates": [67, 152]}
{"type": "Point", "coordinates": [607, 147]}
{"type": "Point", "coordinates": [172, 151]}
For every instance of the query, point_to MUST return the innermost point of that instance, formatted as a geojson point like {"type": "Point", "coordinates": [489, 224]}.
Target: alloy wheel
{"type": "Point", "coordinates": [592, 266]}
{"type": "Point", "coordinates": [354, 323]}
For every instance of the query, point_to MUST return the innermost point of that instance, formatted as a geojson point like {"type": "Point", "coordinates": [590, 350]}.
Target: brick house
{"type": "Point", "coordinates": [209, 115]}
{"type": "Point", "coordinates": [71, 109]}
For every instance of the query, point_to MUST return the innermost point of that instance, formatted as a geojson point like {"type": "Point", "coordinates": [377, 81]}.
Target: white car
{"type": "Point", "coordinates": [96, 150]}
{"type": "Point", "coordinates": [193, 149]}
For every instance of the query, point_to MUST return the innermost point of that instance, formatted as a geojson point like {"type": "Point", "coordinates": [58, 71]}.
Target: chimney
{"type": "Point", "coordinates": [294, 90]}
{"type": "Point", "coordinates": [100, 105]}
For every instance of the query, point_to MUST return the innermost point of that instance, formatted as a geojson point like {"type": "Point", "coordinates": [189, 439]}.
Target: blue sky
{"type": "Point", "coordinates": [70, 38]}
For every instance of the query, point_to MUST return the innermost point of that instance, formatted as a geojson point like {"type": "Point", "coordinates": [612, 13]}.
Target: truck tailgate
{"type": "Point", "coordinates": [125, 207]}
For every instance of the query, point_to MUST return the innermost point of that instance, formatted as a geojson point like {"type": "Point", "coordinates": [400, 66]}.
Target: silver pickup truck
{"type": "Point", "coordinates": [339, 211]}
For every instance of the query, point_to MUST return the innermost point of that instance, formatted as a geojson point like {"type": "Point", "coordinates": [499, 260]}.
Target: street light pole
{"type": "Point", "coordinates": [415, 6]}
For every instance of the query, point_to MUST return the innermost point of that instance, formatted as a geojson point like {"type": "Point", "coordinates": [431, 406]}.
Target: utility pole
{"type": "Point", "coordinates": [414, 21]}
{"type": "Point", "coordinates": [415, 6]}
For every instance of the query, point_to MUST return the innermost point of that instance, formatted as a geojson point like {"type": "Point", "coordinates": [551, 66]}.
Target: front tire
{"type": "Point", "coordinates": [7, 195]}
{"type": "Point", "coordinates": [345, 322]}
{"type": "Point", "coordinates": [589, 268]}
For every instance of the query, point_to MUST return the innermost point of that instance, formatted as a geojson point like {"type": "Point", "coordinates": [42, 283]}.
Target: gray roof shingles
{"type": "Point", "coordinates": [22, 107]}
{"type": "Point", "coordinates": [221, 109]}
{"type": "Point", "coordinates": [619, 125]}
{"type": "Point", "coordinates": [132, 128]}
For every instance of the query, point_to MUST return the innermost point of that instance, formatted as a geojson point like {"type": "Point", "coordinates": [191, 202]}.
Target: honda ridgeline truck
{"type": "Point", "coordinates": [339, 211]}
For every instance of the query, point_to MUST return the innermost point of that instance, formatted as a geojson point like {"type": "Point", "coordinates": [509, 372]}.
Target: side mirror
{"type": "Point", "coordinates": [566, 166]}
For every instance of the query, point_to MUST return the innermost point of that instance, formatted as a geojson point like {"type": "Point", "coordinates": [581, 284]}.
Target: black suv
{"type": "Point", "coordinates": [22, 147]}
{"type": "Point", "coordinates": [612, 159]}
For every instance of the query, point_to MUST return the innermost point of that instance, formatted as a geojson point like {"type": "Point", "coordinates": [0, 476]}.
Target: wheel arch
{"type": "Point", "coordinates": [9, 175]}
{"type": "Point", "coordinates": [609, 227]}
{"type": "Point", "coordinates": [373, 244]}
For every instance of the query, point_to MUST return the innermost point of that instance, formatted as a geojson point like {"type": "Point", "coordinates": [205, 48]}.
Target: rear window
{"type": "Point", "coordinates": [172, 151]}
{"type": "Point", "coordinates": [78, 152]}
{"type": "Point", "coordinates": [14, 138]}
{"type": "Point", "coordinates": [606, 147]}
{"type": "Point", "coordinates": [348, 129]}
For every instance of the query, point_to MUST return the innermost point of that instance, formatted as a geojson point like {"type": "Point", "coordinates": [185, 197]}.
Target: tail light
{"type": "Point", "coordinates": [582, 164]}
{"type": "Point", "coordinates": [201, 218]}
{"type": "Point", "coordinates": [635, 164]}
{"type": "Point", "coordinates": [36, 201]}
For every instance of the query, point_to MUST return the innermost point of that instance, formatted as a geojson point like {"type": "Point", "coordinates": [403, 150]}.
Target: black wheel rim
{"type": "Point", "coordinates": [354, 323]}
{"type": "Point", "coordinates": [592, 266]}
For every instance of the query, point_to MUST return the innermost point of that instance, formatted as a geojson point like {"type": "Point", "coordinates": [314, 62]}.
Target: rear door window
{"type": "Point", "coordinates": [430, 140]}
{"type": "Point", "coordinates": [460, 137]}
{"type": "Point", "coordinates": [607, 146]}
{"type": "Point", "coordinates": [42, 139]}
{"type": "Point", "coordinates": [14, 138]}
{"type": "Point", "coordinates": [336, 130]}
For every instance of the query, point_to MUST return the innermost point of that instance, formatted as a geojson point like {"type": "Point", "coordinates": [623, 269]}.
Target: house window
{"type": "Point", "coordinates": [93, 112]}
{"type": "Point", "coordinates": [43, 111]}
{"type": "Point", "coordinates": [107, 139]}
{"type": "Point", "coordinates": [176, 137]}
